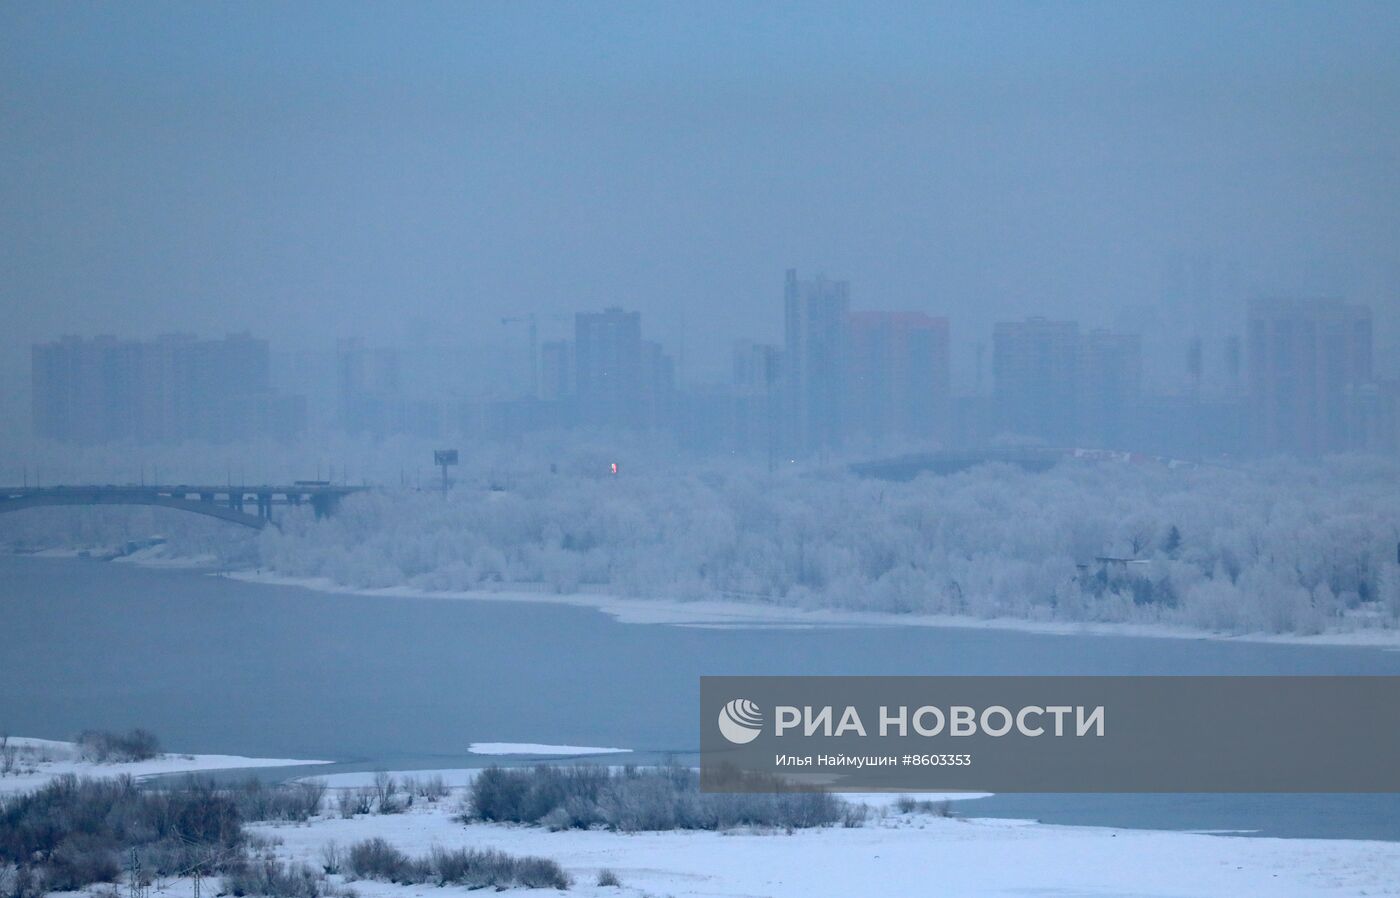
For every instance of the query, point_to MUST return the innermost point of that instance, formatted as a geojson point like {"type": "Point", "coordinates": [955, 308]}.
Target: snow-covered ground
{"type": "Point", "coordinates": [892, 855]}
{"type": "Point", "coordinates": [724, 613]}
{"type": "Point", "coordinates": [460, 777]}
{"type": "Point", "coordinates": [538, 748]}
{"type": "Point", "coordinates": [39, 760]}
{"type": "Point", "coordinates": [157, 556]}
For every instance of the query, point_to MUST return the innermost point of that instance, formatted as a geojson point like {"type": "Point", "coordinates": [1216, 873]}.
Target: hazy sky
{"type": "Point", "coordinates": [414, 171]}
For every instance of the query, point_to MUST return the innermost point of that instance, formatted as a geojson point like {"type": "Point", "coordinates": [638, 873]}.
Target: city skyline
{"type": "Point", "coordinates": [438, 169]}
{"type": "Point", "coordinates": [1302, 376]}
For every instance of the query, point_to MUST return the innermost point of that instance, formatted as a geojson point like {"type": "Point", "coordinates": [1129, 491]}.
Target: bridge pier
{"type": "Point", "coordinates": [324, 504]}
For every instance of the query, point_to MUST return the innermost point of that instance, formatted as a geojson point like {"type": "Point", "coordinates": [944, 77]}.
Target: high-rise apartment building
{"type": "Point", "coordinates": [556, 370]}
{"type": "Point", "coordinates": [1035, 365]}
{"type": "Point", "coordinates": [620, 380]}
{"type": "Point", "coordinates": [173, 388]}
{"type": "Point", "coordinates": [814, 361]}
{"type": "Point", "coordinates": [84, 391]}
{"type": "Point", "coordinates": [1109, 388]}
{"type": "Point", "coordinates": [608, 366]}
{"type": "Point", "coordinates": [1056, 384]}
{"type": "Point", "coordinates": [369, 388]}
{"type": "Point", "coordinates": [1308, 360]}
{"type": "Point", "coordinates": [897, 374]}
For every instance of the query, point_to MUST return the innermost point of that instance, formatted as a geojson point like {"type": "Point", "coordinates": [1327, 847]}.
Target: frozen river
{"type": "Point", "coordinates": [222, 666]}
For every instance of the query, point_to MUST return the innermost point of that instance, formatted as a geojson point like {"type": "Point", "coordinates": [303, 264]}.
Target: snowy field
{"type": "Point", "coordinates": [36, 761]}
{"type": "Point", "coordinates": [893, 855]}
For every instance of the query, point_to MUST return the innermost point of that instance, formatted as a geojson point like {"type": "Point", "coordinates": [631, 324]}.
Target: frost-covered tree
{"type": "Point", "coordinates": [1274, 546]}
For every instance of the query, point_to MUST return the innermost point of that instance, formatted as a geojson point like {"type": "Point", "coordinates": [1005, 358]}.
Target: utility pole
{"type": "Point", "coordinates": [136, 888]}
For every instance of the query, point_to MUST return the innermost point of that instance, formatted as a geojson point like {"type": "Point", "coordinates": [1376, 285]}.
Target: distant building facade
{"type": "Point", "coordinates": [1035, 370]}
{"type": "Point", "coordinates": [814, 361]}
{"type": "Point", "coordinates": [619, 379]}
{"type": "Point", "coordinates": [752, 417]}
{"type": "Point", "coordinates": [1056, 384]}
{"type": "Point", "coordinates": [1310, 367]}
{"type": "Point", "coordinates": [1109, 388]}
{"type": "Point", "coordinates": [556, 370]}
{"type": "Point", "coordinates": [172, 388]}
{"type": "Point", "coordinates": [898, 374]}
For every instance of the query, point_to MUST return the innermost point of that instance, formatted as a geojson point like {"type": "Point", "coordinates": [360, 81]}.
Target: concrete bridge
{"type": "Point", "coordinates": [250, 506]}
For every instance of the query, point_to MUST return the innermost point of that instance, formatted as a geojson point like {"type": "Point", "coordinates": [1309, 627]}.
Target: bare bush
{"type": "Point", "coordinates": [387, 797]}
{"type": "Point", "coordinates": [330, 858]}
{"type": "Point", "coordinates": [296, 802]}
{"type": "Point", "coordinates": [68, 833]}
{"type": "Point", "coordinates": [79, 860]}
{"type": "Point", "coordinates": [258, 842]}
{"type": "Point", "coordinates": [351, 802]}
{"type": "Point", "coordinates": [473, 868]}
{"type": "Point", "coordinates": [313, 794]}
{"type": "Point", "coordinates": [105, 747]}
{"type": "Point", "coordinates": [8, 755]}
{"type": "Point", "coordinates": [377, 859]}
{"type": "Point", "coordinates": [20, 882]}
{"type": "Point", "coordinates": [269, 876]}
{"type": "Point", "coordinates": [641, 799]}
{"type": "Point", "coordinates": [854, 815]}
{"type": "Point", "coordinates": [607, 878]}
{"type": "Point", "coordinates": [907, 805]}
{"type": "Point", "coordinates": [429, 788]}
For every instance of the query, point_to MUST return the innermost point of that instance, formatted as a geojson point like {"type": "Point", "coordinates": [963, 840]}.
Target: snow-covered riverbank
{"type": "Point", "coordinates": [36, 761]}
{"type": "Point", "coordinates": [1265, 550]}
{"type": "Point", "coordinates": [892, 853]}
{"type": "Point", "coordinates": [1280, 549]}
{"type": "Point", "coordinates": [723, 613]}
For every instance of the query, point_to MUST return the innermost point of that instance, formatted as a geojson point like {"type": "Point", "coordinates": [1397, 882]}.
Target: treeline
{"type": "Point", "coordinates": [633, 799]}
{"type": "Point", "coordinates": [1277, 547]}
